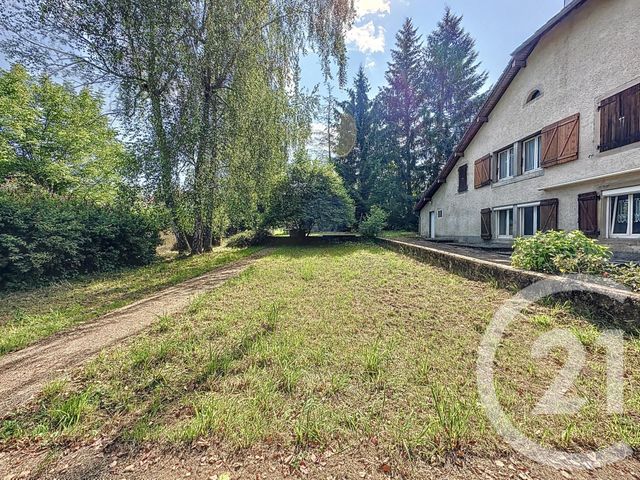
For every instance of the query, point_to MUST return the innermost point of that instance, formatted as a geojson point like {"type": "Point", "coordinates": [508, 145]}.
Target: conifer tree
{"type": "Point", "coordinates": [402, 111]}
{"type": "Point", "coordinates": [355, 164]}
{"type": "Point", "coordinates": [451, 82]}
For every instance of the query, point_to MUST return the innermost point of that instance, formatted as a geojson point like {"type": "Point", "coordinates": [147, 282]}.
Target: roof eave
{"type": "Point", "coordinates": [518, 61]}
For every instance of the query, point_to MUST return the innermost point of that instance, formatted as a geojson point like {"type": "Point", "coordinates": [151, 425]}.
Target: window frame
{"type": "Point", "coordinates": [498, 211]}
{"type": "Point", "coordinates": [612, 204]}
{"type": "Point", "coordinates": [536, 218]}
{"type": "Point", "coordinates": [510, 150]}
{"type": "Point", "coordinates": [537, 139]}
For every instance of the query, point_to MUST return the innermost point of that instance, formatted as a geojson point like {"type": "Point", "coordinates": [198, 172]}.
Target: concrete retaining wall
{"type": "Point", "coordinates": [613, 306]}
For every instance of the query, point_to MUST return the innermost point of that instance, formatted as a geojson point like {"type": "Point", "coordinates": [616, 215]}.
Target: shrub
{"type": "Point", "coordinates": [556, 252]}
{"type": "Point", "coordinates": [374, 223]}
{"type": "Point", "coordinates": [628, 275]}
{"type": "Point", "coordinates": [45, 237]}
{"type": "Point", "coordinates": [248, 238]}
{"type": "Point", "coordinates": [311, 195]}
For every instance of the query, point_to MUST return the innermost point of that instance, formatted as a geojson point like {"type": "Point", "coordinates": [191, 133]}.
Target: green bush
{"type": "Point", "coordinates": [560, 252]}
{"type": "Point", "coordinates": [628, 275]}
{"type": "Point", "coordinates": [46, 237]}
{"type": "Point", "coordinates": [309, 196]}
{"type": "Point", "coordinates": [248, 238]}
{"type": "Point", "coordinates": [374, 223]}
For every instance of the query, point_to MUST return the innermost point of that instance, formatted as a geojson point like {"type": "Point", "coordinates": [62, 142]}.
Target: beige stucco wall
{"type": "Point", "coordinates": [592, 54]}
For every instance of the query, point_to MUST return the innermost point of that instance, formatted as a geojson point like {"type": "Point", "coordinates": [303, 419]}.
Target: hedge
{"type": "Point", "coordinates": [45, 238]}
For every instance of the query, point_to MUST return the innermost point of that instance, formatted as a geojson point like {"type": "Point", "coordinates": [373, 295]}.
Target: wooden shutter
{"type": "Point", "coordinates": [630, 105]}
{"type": "Point", "coordinates": [620, 119]}
{"type": "Point", "coordinates": [610, 131]}
{"type": "Point", "coordinates": [485, 224]}
{"type": "Point", "coordinates": [482, 172]}
{"type": "Point", "coordinates": [588, 214]}
{"type": "Point", "coordinates": [463, 185]}
{"type": "Point", "coordinates": [549, 214]}
{"type": "Point", "coordinates": [561, 142]}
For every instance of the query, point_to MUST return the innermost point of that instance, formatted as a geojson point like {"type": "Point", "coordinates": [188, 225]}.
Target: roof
{"type": "Point", "coordinates": [518, 61]}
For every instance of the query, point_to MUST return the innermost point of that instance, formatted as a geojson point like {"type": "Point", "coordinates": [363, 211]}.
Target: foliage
{"type": "Point", "coordinates": [353, 160]}
{"type": "Point", "coordinates": [310, 195]}
{"type": "Point", "coordinates": [248, 238]}
{"type": "Point", "coordinates": [557, 251]}
{"type": "Point", "coordinates": [396, 144]}
{"type": "Point", "coordinates": [451, 82]}
{"type": "Point", "coordinates": [374, 223]}
{"type": "Point", "coordinates": [401, 121]}
{"type": "Point", "coordinates": [44, 237]}
{"type": "Point", "coordinates": [57, 139]}
{"type": "Point", "coordinates": [628, 275]}
{"type": "Point", "coordinates": [202, 79]}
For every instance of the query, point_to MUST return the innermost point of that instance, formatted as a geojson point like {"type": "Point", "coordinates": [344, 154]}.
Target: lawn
{"type": "Point", "coordinates": [333, 347]}
{"type": "Point", "coordinates": [29, 316]}
{"type": "Point", "coordinates": [399, 234]}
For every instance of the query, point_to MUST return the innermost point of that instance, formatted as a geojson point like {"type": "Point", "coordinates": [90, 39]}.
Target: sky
{"type": "Point", "coordinates": [498, 26]}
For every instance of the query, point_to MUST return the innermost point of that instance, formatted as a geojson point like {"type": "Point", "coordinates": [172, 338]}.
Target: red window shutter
{"type": "Point", "coordinates": [549, 214]}
{"type": "Point", "coordinates": [588, 214]}
{"type": "Point", "coordinates": [482, 172]}
{"type": "Point", "coordinates": [485, 224]}
{"type": "Point", "coordinates": [561, 141]}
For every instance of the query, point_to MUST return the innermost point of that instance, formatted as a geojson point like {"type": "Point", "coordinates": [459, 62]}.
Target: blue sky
{"type": "Point", "coordinates": [498, 27]}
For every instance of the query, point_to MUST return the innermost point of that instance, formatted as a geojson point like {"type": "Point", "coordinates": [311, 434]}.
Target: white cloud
{"type": "Point", "coordinates": [367, 38]}
{"type": "Point", "coordinates": [370, 7]}
{"type": "Point", "coordinates": [370, 63]}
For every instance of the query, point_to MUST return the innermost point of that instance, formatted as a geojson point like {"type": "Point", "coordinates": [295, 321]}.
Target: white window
{"type": "Point", "coordinates": [531, 154]}
{"type": "Point", "coordinates": [505, 223]}
{"type": "Point", "coordinates": [505, 164]}
{"type": "Point", "coordinates": [624, 215]}
{"type": "Point", "coordinates": [529, 220]}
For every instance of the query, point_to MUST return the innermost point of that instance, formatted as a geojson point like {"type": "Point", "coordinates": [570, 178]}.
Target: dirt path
{"type": "Point", "coordinates": [25, 372]}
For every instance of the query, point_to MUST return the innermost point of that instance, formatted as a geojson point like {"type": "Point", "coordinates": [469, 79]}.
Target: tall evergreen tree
{"type": "Point", "coordinates": [451, 82]}
{"type": "Point", "coordinates": [402, 109]}
{"type": "Point", "coordinates": [355, 164]}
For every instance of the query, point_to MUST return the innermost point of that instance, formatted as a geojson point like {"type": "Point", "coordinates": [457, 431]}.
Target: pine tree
{"type": "Point", "coordinates": [354, 162]}
{"type": "Point", "coordinates": [402, 109]}
{"type": "Point", "coordinates": [451, 82]}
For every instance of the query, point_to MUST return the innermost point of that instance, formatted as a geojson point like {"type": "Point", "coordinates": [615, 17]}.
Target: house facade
{"type": "Point", "coordinates": [557, 144]}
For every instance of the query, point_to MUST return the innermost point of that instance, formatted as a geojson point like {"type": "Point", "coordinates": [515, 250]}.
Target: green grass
{"type": "Point", "coordinates": [338, 345]}
{"type": "Point", "coordinates": [29, 316]}
{"type": "Point", "coordinates": [398, 234]}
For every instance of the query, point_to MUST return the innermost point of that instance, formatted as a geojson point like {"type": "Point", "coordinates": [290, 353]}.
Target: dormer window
{"type": "Point", "coordinates": [534, 95]}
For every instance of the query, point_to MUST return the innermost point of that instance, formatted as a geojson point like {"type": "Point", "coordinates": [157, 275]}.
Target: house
{"type": "Point", "coordinates": [557, 143]}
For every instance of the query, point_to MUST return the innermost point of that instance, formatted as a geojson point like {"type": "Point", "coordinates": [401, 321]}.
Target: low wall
{"type": "Point", "coordinates": [613, 306]}
{"type": "Point", "coordinates": [311, 240]}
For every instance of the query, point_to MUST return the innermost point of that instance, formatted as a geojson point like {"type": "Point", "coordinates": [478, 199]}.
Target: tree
{"type": "Point", "coordinates": [355, 164]}
{"type": "Point", "coordinates": [310, 195]}
{"type": "Point", "coordinates": [451, 82]}
{"type": "Point", "coordinates": [175, 63]}
{"type": "Point", "coordinates": [57, 139]}
{"type": "Point", "coordinates": [402, 115]}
